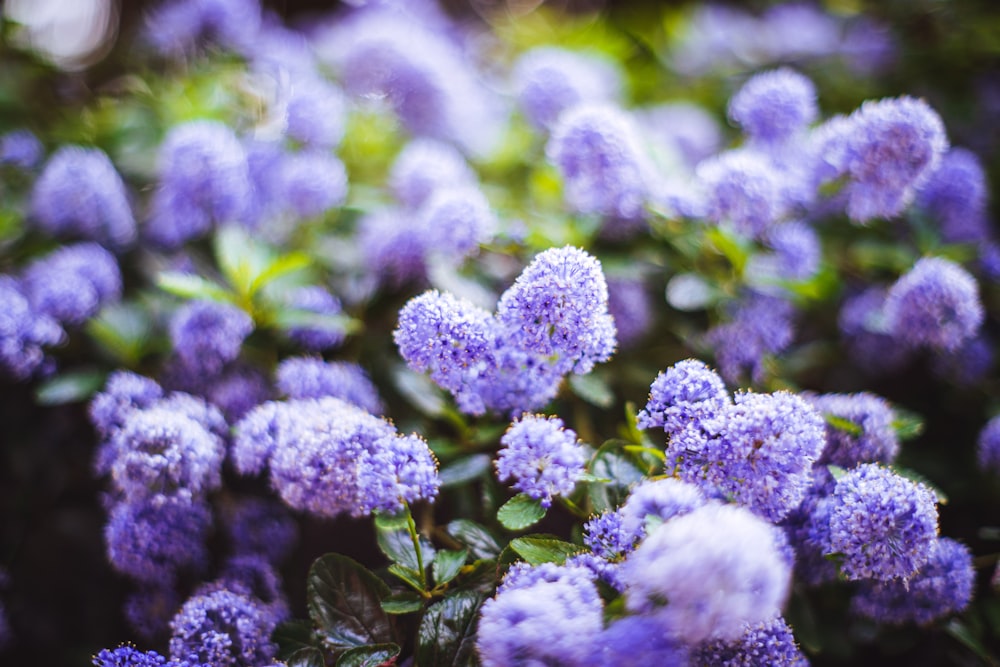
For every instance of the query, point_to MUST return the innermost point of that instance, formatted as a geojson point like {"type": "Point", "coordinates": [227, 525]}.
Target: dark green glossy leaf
{"type": "Point", "coordinates": [293, 636]}
{"type": "Point", "coordinates": [447, 564]}
{"type": "Point", "coordinates": [398, 546]}
{"type": "Point", "coordinates": [369, 656]}
{"type": "Point", "coordinates": [593, 389]}
{"type": "Point", "coordinates": [403, 603]}
{"type": "Point", "coordinates": [447, 634]}
{"type": "Point", "coordinates": [70, 387]}
{"type": "Point", "coordinates": [481, 544]}
{"type": "Point", "coordinates": [345, 603]}
{"type": "Point", "coordinates": [306, 657]}
{"type": "Point", "coordinates": [537, 549]}
{"type": "Point", "coordinates": [964, 636]}
{"type": "Point", "coordinates": [520, 512]}
{"type": "Point", "coordinates": [465, 470]}
{"type": "Point", "coordinates": [410, 577]}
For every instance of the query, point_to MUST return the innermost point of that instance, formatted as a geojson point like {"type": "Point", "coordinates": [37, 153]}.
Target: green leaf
{"type": "Point", "coordinates": [403, 603]}
{"type": "Point", "coordinates": [908, 425]}
{"type": "Point", "coordinates": [70, 387]}
{"type": "Point", "coordinates": [587, 477]}
{"type": "Point", "coordinates": [369, 656]}
{"type": "Point", "coordinates": [447, 633]}
{"type": "Point", "coordinates": [410, 577]}
{"type": "Point", "coordinates": [293, 636]}
{"type": "Point", "coordinates": [734, 248]}
{"type": "Point", "coordinates": [345, 603]}
{"type": "Point", "coordinates": [291, 318]}
{"type": "Point", "coordinates": [306, 657]}
{"type": "Point", "coordinates": [592, 389]}
{"type": "Point", "coordinates": [123, 330]}
{"type": "Point", "coordinates": [278, 268]}
{"type": "Point", "coordinates": [190, 286]}
{"type": "Point", "coordinates": [538, 549]}
{"type": "Point", "coordinates": [419, 391]}
{"type": "Point", "coordinates": [447, 564]}
{"type": "Point", "coordinates": [465, 470]}
{"type": "Point", "coordinates": [481, 544]}
{"type": "Point", "coordinates": [836, 472]}
{"type": "Point", "coordinates": [397, 544]}
{"type": "Point", "coordinates": [520, 512]}
{"type": "Point", "coordinates": [961, 633]}
{"type": "Point", "coordinates": [842, 424]}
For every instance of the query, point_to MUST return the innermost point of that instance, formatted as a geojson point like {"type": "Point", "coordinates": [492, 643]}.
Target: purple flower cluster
{"type": "Point", "coordinates": [955, 197]}
{"type": "Point", "coordinates": [21, 149]}
{"type": "Point", "coordinates": [24, 332]}
{"type": "Point", "coordinates": [329, 457]}
{"type": "Point", "coordinates": [225, 629]}
{"type": "Point", "coordinates": [207, 335]}
{"type": "Point", "coordinates": [651, 503]}
{"type": "Point", "coordinates": [73, 283]}
{"type": "Point", "coordinates": [686, 394]}
{"type": "Point", "coordinates": [552, 321]}
{"type": "Point", "coordinates": [773, 107]}
{"type": "Point", "coordinates": [744, 190]}
{"type": "Point", "coordinates": [543, 458]}
{"type": "Point", "coordinates": [868, 436]}
{"type": "Point", "coordinates": [550, 80]}
{"type": "Point", "coordinates": [768, 643]}
{"type": "Point", "coordinates": [304, 377]}
{"type": "Point", "coordinates": [176, 28]}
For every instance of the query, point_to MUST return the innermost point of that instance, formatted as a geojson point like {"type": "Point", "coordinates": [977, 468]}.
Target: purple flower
{"type": "Point", "coordinates": [425, 165]}
{"type": "Point", "coordinates": [207, 335]}
{"type": "Point", "coordinates": [743, 190]}
{"type": "Point", "coordinates": [869, 435]}
{"type": "Point", "coordinates": [541, 456]}
{"type": "Point", "coordinates": [316, 113]}
{"type": "Point", "coordinates": [988, 447]}
{"type": "Point", "coordinates": [955, 197]}
{"type": "Point", "coordinates": [455, 221]}
{"type": "Point", "coordinates": [637, 641]}
{"type": "Point", "coordinates": [258, 526]}
{"type": "Point", "coordinates": [705, 574]}
{"type": "Point", "coordinates": [807, 528]}
{"type": "Point", "coordinates": [772, 107]}
{"type": "Point", "coordinates": [315, 299]}
{"type": "Point", "coordinates": [549, 80]}
{"type": "Point", "coordinates": [176, 28]}
{"type": "Point", "coordinates": [797, 251]}
{"type": "Point", "coordinates": [204, 181]}
{"type": "Point", "coordinates": [602, 161]}
{"type": "Point", "coordinates": [21, 149]}
{"type": "Point", "coordinates": [123, 392]}
{"type": "Point", "coordinates": [252, 575]}
{"type": "Point", "coordinates": [256, 437]}
{"type": "Point", "coordinates": [760, 325]}
{"type": "Point", "coordinates": [607, 537]}
{"type": "Point", "coordinates": [224, 628]}
{"type": "Point", "coordinates": [304, 377]}
{"type": "Point", "coordinates": [769, 643]}
{"type": "Point", "coordinates": [522, 575]}
{"type": "Point", "coordinates": [129, 656]}
{"type": "Point", "coordinates": [886, 149]}
{"type": "Point", "coordinates": [881, 525]}
{"type": "Point", "coordinates": [73, 283]}
{"type": "Point", "coordinates": [654, 501]}
{"type": "Point", "coordinates": [311, 182]}
{"type": "Point", "coordinates": [80, 195]}
{"type": "Point", "coordinates": [23, 332]}
{"type": "Point", "coordinates": [393, 247]}
{"type": "Point", "coordinates": [968, 365]}
{"type": "Point", "coordinates": [239, 389]}
{"type": "Point", "coordinates": [546, 622]}
{"type": "Point", "coordinates": [151, 539]}
{"type": "Point", "coordinates": [686, 394]}
{"type": "Point", "coordinates": [558, 306]}
{"type": "Point", "coordinates": [942, 586]}
{"type": "Point", "coordinates": [935, 304]}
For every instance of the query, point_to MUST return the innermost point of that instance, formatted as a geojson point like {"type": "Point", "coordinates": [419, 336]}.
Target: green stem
{"type": "Point", "coordinates": [411, 525]}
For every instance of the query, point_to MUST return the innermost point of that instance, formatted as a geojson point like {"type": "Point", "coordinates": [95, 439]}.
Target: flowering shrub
{"type": "Point", "coordinates": [397, 337]}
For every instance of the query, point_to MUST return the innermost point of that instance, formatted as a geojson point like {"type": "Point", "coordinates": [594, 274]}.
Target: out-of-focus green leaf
{"type": "Point", "coordinates": [841, 424]}
{"type": "Point", "coordinates": [538, 549]}
{"type": "Point", "coordinates": [345, 603]}
{"type": "Point", "coordinates": [123, 330]}
{"type": "Point", "coordinates": [190, 286]}
{"type": "Point", "coordinates": [592, 389]}
{"type": "Point", "coordinates": [70, 387]}
{"type": "Point", "coordinates": [465, 469]}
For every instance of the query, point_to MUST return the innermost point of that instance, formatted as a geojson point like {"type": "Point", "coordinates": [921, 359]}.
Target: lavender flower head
{"type": "Point", "coordinates": [177, 27]}
{"type": "Point", "coordinates": [152, 539]}
{"type": "Point", "coordinates": [547, 622]}
{"type": "Point", "coordinates": [207, 335]}
{"type": "Point", "coordinates": [129, 656]}
{"type": "Point", "coordinates": [772, 107]}
{"type": "Point", "coordinates": [21, 149]}
{"type": "Point", "coordinates": [797, 250]}
{"type": "Point", "coordinates": [311, 182]}
{"type": "Point", "coordinates": [760, 325]}
{"type": "Point", "coordinates": [988, 447]}
{"type": "Point", "coordinates": [942, 586]}
{"type": "Point", "coordinates": [882, 525]}
{"type": "Point", "coordinates": [224, 629]}
{"type": "Point", "coordinates": [686, 394]}
{"type": "Point", "coordinates": [607, 537]}
{"type": "Point", "coordinates": [955, 197]}
{"type": "Point", "coordinates": [316, 113]}
{"type": "Point", "coordinates": [935, 304]}
{"type": "Point", "coordinates": [602, 161]}
{"type": "Point", "coordinates": [24, 332]}
{"type": "Point", "coordinates": [389, 239]}
{"type": "Point", "coordinates": [204, 181]}
{"type": "Point", "coordinates": [315, 299]}
{"type": "Point", "coordinates": [123, 392]}
{"type": "Point", "coordinates": [559, 306]}
{"type": "Point", "coordinates": [886, 149]}
{"type": "Point", "coordinates": [690, 128]}
{"type": "Point", "coordinates": [869, 437]}
{"type": "Point", "coordinates": [455, 221]}
{"type": "Point", "coordinates": [541, 456]}
{"type": "Point", "coordinates": [425, 165]}
{"type": "Point", "coordinates": [705, 574]}
{"type": "Point", "coordinates": [79, 194]}
{"type": "Point", "coordinates": [304, 377]}
{"type": "Point", "coordinates": [654, 501]}
{"type": "Point", "coordinates": [744, 190]}
{"type": "Point", "coordinates": [522, 575]}
{"type": "Point", "coordinates": [768, 643]}
{"type": "Point", "coordinates": [73, 283]}
{"type": "Point", "coordinates": [637, 641]}
{"type": "Point", "coordinates": [862, 323]}
{"type": "Point", "coordinates": [549, 80]}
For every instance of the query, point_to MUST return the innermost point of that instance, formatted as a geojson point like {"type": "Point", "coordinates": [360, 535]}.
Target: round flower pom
{"type": "Point", "coordinates": [24, 332]}
{"type": "Point", "coordinates": [21, 149]}
{"type": "Point", "coordinates": [706, 574]}
{"type": "Point", "coordinates": [311, 182]}
{"type": "Point", "coordinates": [176, 28]}
{"type": "Point", "coordinates": [425, 165]}
{"type": "Point", "coordinates": [456, 220]}
{"type": "Point", "coordinates": [223, 629]}
{"type": "Point", "coordinates": [744, 190]}
{"type": "Point", "coordinates": [955, 196]}
{"type": "Point", "coordinates": [882, 525]}
{"type": "Point", "coordinates": [541, 456]}
{"type": "Point", "coordinates": [315, 299]}
{"type": "Point", "coordinates": [607, 537]}
{"type": "Point", "coordinates": [316, 113]}
{"type": "Point", "coordinates": [760, 325]}
{"type": "Point", "coordinates": [935, 304]}
{"type": "Point", "coordinates": [129, 656]}
{"type": "Point", "coordinates": [686, 394]}
{"type": "Point", "coordinates": [207, 335]}
{"type": "Point", "coordinates": [637, 641]}
{"type": "Point", "coordinates": [774, 106]}
{"type": "Point", "coordinates": [943, 586]}
{"type": "Point", "coordinates": [867, 437]}
{"type": "Point", "coordinates": [769, 643]}
{"type": "Point", "coordinates": [73, 283]}
{"type": "Point", "coordinates": [305, 377]}
{"type": "Point", "coordinates": [988, 447]}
